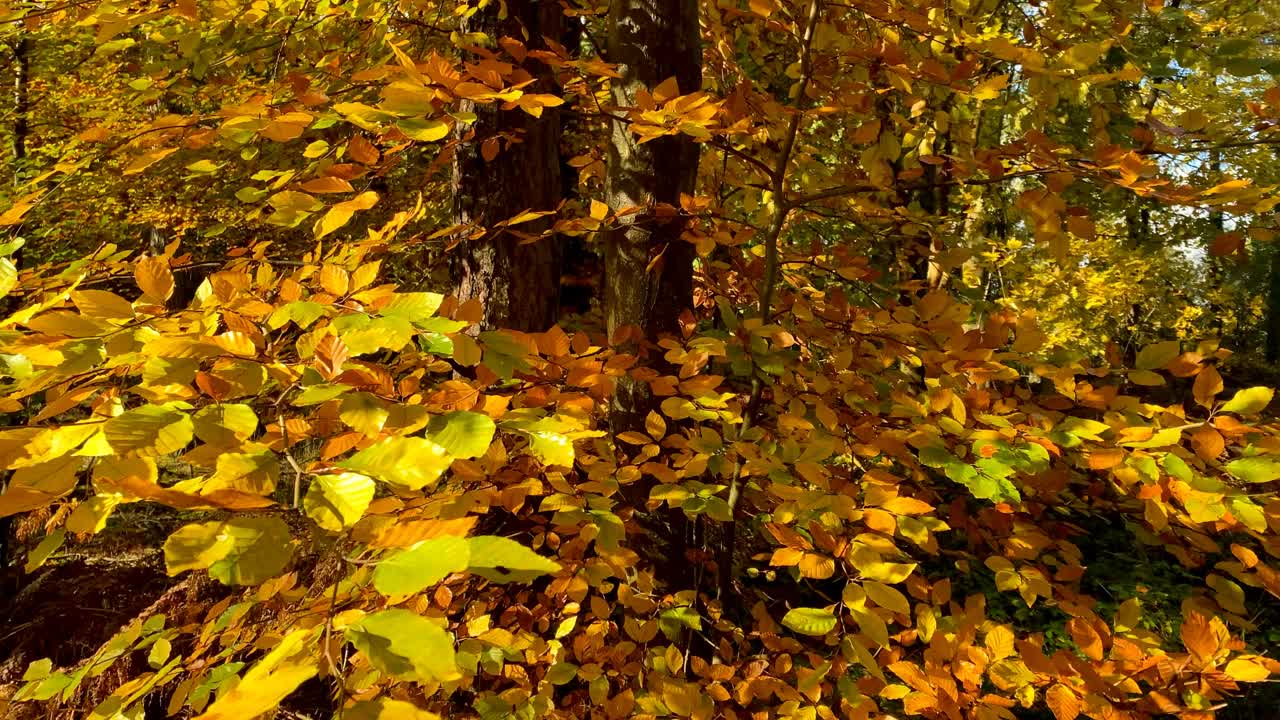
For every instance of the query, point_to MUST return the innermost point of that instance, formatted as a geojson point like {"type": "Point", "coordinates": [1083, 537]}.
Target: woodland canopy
{"type": "Point", "coordinates": [797, 359]}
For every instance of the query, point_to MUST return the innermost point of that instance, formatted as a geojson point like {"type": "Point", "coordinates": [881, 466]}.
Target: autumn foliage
{"type": "Point", "coordinates": [813, 468]}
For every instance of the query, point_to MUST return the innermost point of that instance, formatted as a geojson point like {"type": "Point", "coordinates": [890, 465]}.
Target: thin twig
{"type": "Point", "coordinates": [781, 209]}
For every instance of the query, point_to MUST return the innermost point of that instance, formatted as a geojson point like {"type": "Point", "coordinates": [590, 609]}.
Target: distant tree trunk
{"type": "Point", "coordinates": [1218, 220]}
{"type": "Point", "coordinates": [21, 114]}
{"type": "Point", "coordinates": [21, 128]}
{"type": "Point", "coordinates": [648, 268]}
{"type": "Point", "coordinates": [1273, 310]}
{"type": "Point", "coordinates": [517, 284]}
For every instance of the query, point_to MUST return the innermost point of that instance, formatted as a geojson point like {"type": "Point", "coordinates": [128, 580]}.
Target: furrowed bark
{"type": "Point", "coordinates": [517, 283]}
{"type": "Point", "coordinates": [648, 267]}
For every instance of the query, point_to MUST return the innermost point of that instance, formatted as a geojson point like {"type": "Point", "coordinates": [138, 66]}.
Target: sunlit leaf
{"type": "Point", "coordinates": [810, 621]}
{"type": "Point", "coordinates": [405, 645]}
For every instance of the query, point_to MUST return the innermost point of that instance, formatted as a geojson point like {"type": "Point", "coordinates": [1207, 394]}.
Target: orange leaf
{"type": "Point", "coordinates": [906, 506]}
{"type": "Point", "coordinates": [1104, 458]}
{"type": "Point", "coordinates": [1208, 384]}
{"type": "Point", "coordinates": [1199, 637]}
{"type": "Point", "coordinates": [1086, 638]}
{"type": "Point", "coordinates": [1063, 702]}
{"type": "Point", "coordinates": [331, 353]}
{"type": "Point", "coordinates": [1207, 442]}
{"type": "Point", "coordinates": [818, 567]}
{"type": "Point", "coordinates": [362, 151]}
{"type": "Point", "coordinates": [327, 184]}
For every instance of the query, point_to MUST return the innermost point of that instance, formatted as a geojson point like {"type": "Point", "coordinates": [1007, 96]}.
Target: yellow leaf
{"type": "Point", "coordinates": [268, 683]}
{"type": "Point", "coordinates": [599, 210]}
{"type": "Point", "coordinates": [341, 213]}
{"type": "Point", "coordinates": [1245, 670]}
{"type": "Point", "coordinates": [887, 597]}
{"type": "Point", "coordinates": [990, 88]}
{"type": "Point", "coordinates": [999, 642]}
{"type": "Point", "coordinates": [154, 277]}
{"type": "Point", "coordinates": [102, 304]}
{"type": "Point", "coordinates": [146, 160]}
{"type": "Point", "coordinates": [873, 567]}
{"type": "Point", "coordinates": [91, 515]}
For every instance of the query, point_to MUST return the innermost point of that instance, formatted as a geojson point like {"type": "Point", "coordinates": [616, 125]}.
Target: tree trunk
{"type": "Point", "coordinates": [517, 284]}
{"type": "Point", "coordinates": [21, 115]}
{"type": "Point", "coordinates": [648, 267]}
{"type": "Point", "coordinates": [1273, 310]}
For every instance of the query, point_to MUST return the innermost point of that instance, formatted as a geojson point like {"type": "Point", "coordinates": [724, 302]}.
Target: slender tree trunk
{"type": "Point", "coordinates": [1273, 310]}
{"type": "Point", "coordinates": [21, 114]}
{"type": "Point", "coordinates": [517, 283]}
{"type": "Point", "coordinates": [21, 128]}
{"type": "Point", "coordinates": [648, 267]}
{"type": "Point", "coordinates": [1218, 220]}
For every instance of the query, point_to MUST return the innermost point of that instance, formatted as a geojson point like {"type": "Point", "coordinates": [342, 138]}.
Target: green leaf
{"type": "Point", "coordinates": [503, 560]}
{"type": "Point", "coordinates": [1248, 513]}
{"type": "Point", "coordinates": [405, 645]}
{"type": "Point", "coordinates": [1249, 401]}
{"type": "Point", "coordinates": [302, 312]}
{"type": "Point", "coordinates": [159, 654]}
{"type": "Point", "coordinates": [337, 501]}
{"type": "Point", "coordinates": [1259, 469]}
{"type": "Point", "coordinates": [38, 670]}
{"type": "Point", "coordinates": [317, 394]}
{"type": "Point", "coordinates": [426, 564]}
{"type": "Point", "coordinates": [1083, 428]}
{"type": "Point", "coordinates": [241, 551]}
{"type": "Point", "coordinates": [1176, 467]}
{"type": "Point", "coordinates": [810, 621]}
{"type": "Point", "coordinates": [47, 547]}
{"type": "Point", "coordinates": [416, 307]}
{"type": "Point", "coordinates": [561, 673]}
{"type": "Point", "coordinates": [149, 430]}
{"type": "Point", "coordinates": [409, 462]}
{"type": "Point", "coordinates": [673, 621]}
{"type": "Point", "coordinates": [462, 434]}
{"type": "Point", "coordinates": [936, 456]}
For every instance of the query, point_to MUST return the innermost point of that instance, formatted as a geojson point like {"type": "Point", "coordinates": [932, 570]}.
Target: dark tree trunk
{"type": "Point", "coordinates": [1273, 310]}
{"type": "Point", "coordinates": [518, 284]}
{"type": "Point", "coordinates": [648, 267]}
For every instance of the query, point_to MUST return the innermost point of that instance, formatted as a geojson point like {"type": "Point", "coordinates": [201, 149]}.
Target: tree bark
{"type": "Point", "coordinates": [517, 283]}
{"type": "Point", "coordinates": [21, 115]}
{"type": "Point", "coordinates": [1273, 310]}
{"type": "Point", "coordinates": [648, 267]}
